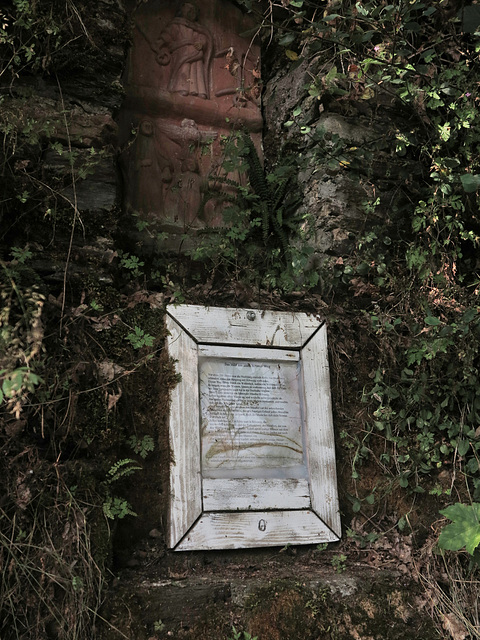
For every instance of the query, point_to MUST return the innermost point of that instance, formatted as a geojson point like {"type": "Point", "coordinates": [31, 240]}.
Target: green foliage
{"type": "Point", "coordinates": [21, 255]}
{"type": "Point", "coordinates": [464, 530]}
{"type": "Point", "coordinates": [430, 409]}
{"type": "Point", "coordinates": [116, 506]}
{"type": "Point", "coordinates": [21, 334]}
{"type": "Point", "coordinates": [363, 540]}
{"type": "Point", "coordinates": [142, 446]}
{"type": "Point", "coordinates": [338, 563]}
{"type": "Point", "coordinates": [138, 338]}
{"type": "Point", "coordinates": [158, 626]}
{"type": "Point", "coordinates": [264, 241]}
{"type": "Point", "coordinates": [242, 635]}
{"type": "Point", "coordinates": [121, 469]}
{"type": "Point", "coordinates": [271, 192]}
{"type": "Point", "coordinates": [132, 264]}
{"type": "Point", "coordinates": [29, 34]}
{"type": "Point", "coordinates": [397, 53]}
{"type": "Point", "coordinates": [17, 382]}
{"type": "Point", "coordinates": [421, 172]}
{"type": "Point", "coordinates": [416, 269]}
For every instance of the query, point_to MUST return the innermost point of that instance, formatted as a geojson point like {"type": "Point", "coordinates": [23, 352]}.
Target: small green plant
{"type": "Point", "coordinates": [115, 506]}
{"type": "Point", "coordinates": [264, 241]}
{"type": "Point", "coordinates": [138, 338]}
{"type": "Point", "coordinates": [131, 263]}
{"type": "Point", "coordinates": [17, 381]}
{"type": "Point", "coordinates": [96, 306]}
{"type": "Point", "coordinates": [432, 400]}
{"type": "Point", "coordinates": [77, 583]}
{"type": "Point", "coordinates": [142, 446]}
{"type": "Point", "coordinates": [464, 530]}
{"type": "Point", "coordinates": [362, 539]}
{"type": "Point", "coordinates": [21, 255]}
{"type": "Point", "coordinates": [158, 626]}
{"type": "Point", "coordinates": [122, 469]}
{"type": "Point", "coordinates": [338, 563]}
{"type": "Point", "coordinates": [242, 635]}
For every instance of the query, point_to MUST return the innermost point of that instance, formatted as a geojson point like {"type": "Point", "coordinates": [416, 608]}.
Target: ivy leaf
{"type": "Point", "coordinates": [469, 315]}
{"type": "Point", "coordinates": [331, 16]}
{"type": "Point", "coordinates": [470, 182]}
{"type": "Point", "coordinates": [432, 321]}
{"type": "Point", "coordinates": [462, 447]}
{"type": "Point", "coordinates": [471, 18]}
{"type": "Point", "coordinates": [464, 530]}
{"type": "Point", "coordinates": [287, 39]}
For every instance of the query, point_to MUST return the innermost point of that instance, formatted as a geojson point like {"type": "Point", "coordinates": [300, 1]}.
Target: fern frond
{"type": "Point", "coordinates": [265, 221]}
{"type": "Point", "coordinates": [256, 174]}
{"type": "Point", "coordinates": [278, 228]}
{"type": "Point", "coordinates": [122, 469]}
{"type": "Point", "coordinates": [225, 180]}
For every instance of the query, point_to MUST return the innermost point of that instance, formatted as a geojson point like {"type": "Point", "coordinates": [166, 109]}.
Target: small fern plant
{"type": "Point", "coordinates": [122, 469]}
{"type": "Point", "coordinates": [116, 506]}
{"type": "Point", "coordinates": [272, 190]}
{"type": "Point", "coordinates": [270, 199]}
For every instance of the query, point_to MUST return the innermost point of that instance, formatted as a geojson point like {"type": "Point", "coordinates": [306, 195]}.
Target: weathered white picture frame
{"type": "Point", "coordinates": [244, 507]}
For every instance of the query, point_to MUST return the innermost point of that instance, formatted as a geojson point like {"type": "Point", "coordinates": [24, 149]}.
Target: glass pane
{"type": "Point", "coordinates": [251, 419]}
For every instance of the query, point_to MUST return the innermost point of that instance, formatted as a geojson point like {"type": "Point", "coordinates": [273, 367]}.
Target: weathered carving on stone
{"type": "Point", "coordinates": [186, 48]}
{"type": "Point", "coordinates": [151, 171]}
{"type": "Point", "coordinates": [192, 79]}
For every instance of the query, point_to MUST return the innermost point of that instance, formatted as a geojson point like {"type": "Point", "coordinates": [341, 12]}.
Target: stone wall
{"type": "Point", "coordinates": [330, 195]}
{"type": "Point", "coordinates": [70, 160]}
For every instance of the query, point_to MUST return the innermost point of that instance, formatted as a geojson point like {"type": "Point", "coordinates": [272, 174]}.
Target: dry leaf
{"type": "Point", "coordinates": [108, 370]}
{"type": "Point", "coordinates": [112, 399]}
{"type": "Point", "coordinates": [454, 627]}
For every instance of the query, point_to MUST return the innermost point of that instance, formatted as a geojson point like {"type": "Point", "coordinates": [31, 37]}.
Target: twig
{"type": "Point", "coordinates": [75, 208]}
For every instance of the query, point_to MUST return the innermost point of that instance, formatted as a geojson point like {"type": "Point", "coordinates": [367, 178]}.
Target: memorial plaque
{"type": "Point", "coordinates": [250, 418]}
{"type": "Point", "coordinates": [251, 430]}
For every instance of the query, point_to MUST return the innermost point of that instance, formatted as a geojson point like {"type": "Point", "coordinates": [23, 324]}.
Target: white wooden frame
{"type": "Point", "coordinates": [206, 513]}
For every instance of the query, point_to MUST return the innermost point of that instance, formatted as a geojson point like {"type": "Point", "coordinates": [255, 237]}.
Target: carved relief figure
{"type": "Point", "coordinates": [192, 78]}
{"type": "Point", "coordinates": [190, 191]}
{"type": "Point", "coordinates": [184, 195]}
{"type": "Point", "coordinates": [149, 171]}
{"type": "Point", "coordinates": [186, 47]}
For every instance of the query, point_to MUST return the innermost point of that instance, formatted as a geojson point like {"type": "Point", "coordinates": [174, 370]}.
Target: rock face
{"type": "Point", "coordinates": [314, 603]}
{"type": "Point", "coordinates": [313, 129]}
{"type": "Point", "coordinates": [65, 156]}
{"type": "Point", "coordinates": [191, 79]}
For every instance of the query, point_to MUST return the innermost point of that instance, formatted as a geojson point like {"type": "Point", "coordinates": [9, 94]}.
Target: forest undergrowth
{"type": "Point", "coordinates": [78, 351]}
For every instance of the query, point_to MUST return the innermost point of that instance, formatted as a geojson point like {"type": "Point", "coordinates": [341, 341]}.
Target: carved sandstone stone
{"type": "Point", "coordinates": [192, 79]}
